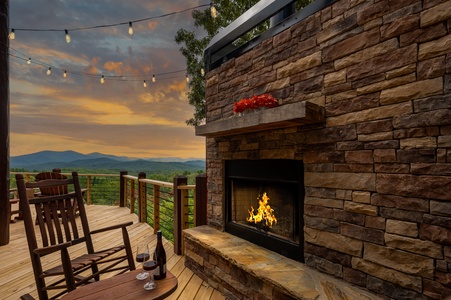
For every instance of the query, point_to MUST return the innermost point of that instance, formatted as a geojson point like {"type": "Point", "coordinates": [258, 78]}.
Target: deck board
{"type": "Point", "coordinates": [16, 273]}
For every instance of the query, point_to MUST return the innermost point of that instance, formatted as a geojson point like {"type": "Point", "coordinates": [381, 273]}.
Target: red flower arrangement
{"type": "Point", "coordinates": [257, 101]}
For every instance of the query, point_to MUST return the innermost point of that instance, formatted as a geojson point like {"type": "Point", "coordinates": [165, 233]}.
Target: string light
{"type": "Point", "coordinates": [67, 36]}
{"type": "Point", "coordinates": [113, 77]}
{"type": "Point", "coordinates": [144, 84]}
{"type": "Point", "coordinates": [102, 80]}
{"type": "Point", "coordinates": [202, 72]}
{"type": "Point", "coordinates": [12, 35]}
{"type": "Point", "coordinates": [187, 78]}
{"type": "Point", "coordinates": [130, 28]}
{"type": "Point", "coordinates": [213, 11]}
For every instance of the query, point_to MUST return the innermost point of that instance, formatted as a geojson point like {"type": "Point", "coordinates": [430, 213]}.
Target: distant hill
{"type": "Point", "coordinates": [71, 160]}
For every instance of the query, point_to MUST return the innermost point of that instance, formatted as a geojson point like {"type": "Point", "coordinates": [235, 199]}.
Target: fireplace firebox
{"type": "Point", "coordinates": [264, 202]}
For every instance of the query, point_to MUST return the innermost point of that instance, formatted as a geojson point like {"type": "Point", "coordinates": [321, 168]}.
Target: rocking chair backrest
{"type": "Point", "coordinates": [54, 213]}
{"type": "Point", "coordinates": [56, 190]}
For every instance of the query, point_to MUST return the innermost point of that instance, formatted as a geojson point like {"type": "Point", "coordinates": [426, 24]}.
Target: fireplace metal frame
{"type": "Point", "coordinates": [282, 171]}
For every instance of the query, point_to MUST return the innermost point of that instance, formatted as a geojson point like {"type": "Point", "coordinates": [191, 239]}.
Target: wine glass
{"type": "Point", "coordinates": [150, 266]}
{"type": "Point", "coordinates": [142, 255]}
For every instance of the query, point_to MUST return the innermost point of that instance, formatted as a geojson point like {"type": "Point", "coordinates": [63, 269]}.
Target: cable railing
{"type": "Point", "coordinates": [167, 206]}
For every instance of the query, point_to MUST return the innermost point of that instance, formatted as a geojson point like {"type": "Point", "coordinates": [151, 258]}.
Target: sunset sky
{"type": "Point", "coordinates": [119, 117]}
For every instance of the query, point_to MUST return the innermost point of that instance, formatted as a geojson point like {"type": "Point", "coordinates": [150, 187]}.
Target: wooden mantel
{"type": "Point", "coordinates": [287, 115]}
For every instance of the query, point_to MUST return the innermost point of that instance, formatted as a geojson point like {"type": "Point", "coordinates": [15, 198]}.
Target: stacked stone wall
{"type": "Point", "coordinates": [378, 171]}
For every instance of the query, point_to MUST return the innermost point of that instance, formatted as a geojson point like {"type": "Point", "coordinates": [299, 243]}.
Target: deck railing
{"type": "Point", "coordinates": [169, 206]}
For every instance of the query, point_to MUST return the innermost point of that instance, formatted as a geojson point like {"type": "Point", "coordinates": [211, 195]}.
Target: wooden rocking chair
{"type": "Point", "coordinates": [58, 231]}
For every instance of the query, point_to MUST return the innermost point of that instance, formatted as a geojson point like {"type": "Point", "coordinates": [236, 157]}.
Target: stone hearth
{"type": "Point", "coordinates": [242, 270]}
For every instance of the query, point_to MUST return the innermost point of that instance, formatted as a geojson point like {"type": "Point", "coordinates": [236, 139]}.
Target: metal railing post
{"type": "Point", "coordinates": [142, 208]}
{"type": "Point", "coordinates": [178, 213]}
{"type": "Point", "coordinates": [156, 208]}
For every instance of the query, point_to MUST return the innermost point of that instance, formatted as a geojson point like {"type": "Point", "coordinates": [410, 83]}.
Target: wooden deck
{"type": "Point", "coordinates": [16, 273]}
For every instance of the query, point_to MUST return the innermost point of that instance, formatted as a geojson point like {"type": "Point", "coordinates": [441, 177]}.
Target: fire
{"type": "Point", "coordinates": [264, 212]}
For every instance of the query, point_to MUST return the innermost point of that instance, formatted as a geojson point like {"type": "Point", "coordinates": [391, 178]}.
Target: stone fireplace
{"type": "Point", "coordinates": [364, 89]}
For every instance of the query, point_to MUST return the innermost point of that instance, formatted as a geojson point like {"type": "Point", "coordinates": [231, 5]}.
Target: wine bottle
{"type": "Point", "coordinates": [160, 256]}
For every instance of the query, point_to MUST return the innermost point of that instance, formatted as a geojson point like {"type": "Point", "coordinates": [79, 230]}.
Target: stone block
{"type": "Point", "coordinates": [412, 204]}
{"type": "Point", "coordinates": [418, 143]}
{"type": "Point", "coordinates": [437, 220]}
{"type": "Point", "coordinates": [337, 28]}
{"type": "Point", "coordinates": [335, 78]}
{"type": "Point", "coordinates": [383, 63]}
{"type": "Point", "coordinates": [444, 141]}
{"type": "Point", "coordinates": [399, 26]}
{"type": "Point", "coordinates": [411, 91]}
{"type": "Point", "coordinates": [323, 265]}
{"type": "Point", "coordinates": [354, 276]}
{"type": "Point", "coordinates": [431, 169]}
{"type": "Point", "coordinates": [392, 168]}
{"type": "Point", "coordinates": [384, 155]}
{"type": "Point", "coordinates": [433, 103]}
{"type": "Point", "coordinates": [391, 290]}
{"type": "Point", "coordinates": [329, 225]}
{"type": "Point", "coordinates": [361, 197]}
{"type": "Point", "coordinates": [324, 157]}
{"type": "Point", "coordinates": [435, 187]}
{"type": "Point", "coordinates": [431, 68]}
{"type": "Point", "coordinates": [361, 208]}
{"type": "Point", "coordinates": [362, 233]}
{"type": "Point", "coordinates": [379, 136]}
{"type": "Point", "coordinates": [374, 127]}
{"type": "Point", "coordinates": [435, 290]}
{"type": "Point", "coordinates": [354, 168]}
{"type": "Point", "coordinates": [329, 254]}
{"type": "Point", "coordinates": [435, 48]}
{"type": "Point", "coordinates": [360, 56]}
{"type": "Point", "coordinates": [436, 14]}
{"type": "Point", "coordinates": [300, 65]}
{"type": "Point", "coordinates": [383, 112]}
{"type": "Point", "coordinates": [359, 156]}
{"type": "Point", "coordinates": [416, 132]}
{"type": "Point", "coordinates": [389, 144]}
{"type": "Point", "coordinates": [349, 217]}
{"type": "Point", "coordinates": [325, 202]}
{"type": "Point", "coordinates": [350, 105]}
{"type": "Point", "coordinates": [363, 181]}
{"type": "Point", "coordinates": [440, 208]}
{"type": "Point", "coordinates": [387, 84]}
{"type": "Point", "coordinates": [375, 222]}
{"type": "Point", "coordinates": [421, 247]}
{"type": "Point", "coordinates": [349, 145]}
{"type": "Point", "coordinates": [435, 233]}
{"type": "Point", "coordinates": [387, 274]}
{"type": "Point", "coordinates": [416, 156]}
{"type": "Point", "coordinates": [400, 260]}
{"type": "Point", "coordinates": [402, 228]}
{"type": "Point", "coordinates": [343, 194]}
{"type": "Point", "coordinates": [400, 214]}
{"type": "Point", "coordinates": [318, 211]}
{"type": "Point", "coordinates": [334, 241]}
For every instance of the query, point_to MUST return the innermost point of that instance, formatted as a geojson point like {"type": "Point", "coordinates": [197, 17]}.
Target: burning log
{"type": "Point", "coordinates": [264, 212]}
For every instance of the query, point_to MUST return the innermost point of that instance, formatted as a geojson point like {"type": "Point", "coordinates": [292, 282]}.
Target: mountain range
{"type": "Point", "coordinates": [47, 160]}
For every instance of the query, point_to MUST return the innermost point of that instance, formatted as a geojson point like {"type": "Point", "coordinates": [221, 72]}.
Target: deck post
{"type": "Point", "coordinates": [5, 208]}
{"type": "Point", "coordinates": [142, 206]}
{"type": "Point", "coordinates": [178, 213]}
{"type": "Point", "coordinates": [201, 200]}
{"type": "Point", "coordinates": [122, 189]}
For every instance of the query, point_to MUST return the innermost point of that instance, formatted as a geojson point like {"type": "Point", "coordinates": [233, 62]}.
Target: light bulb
{"type": "Point", "coordinates": [65, 74]}
{"type": "Point", "coordinates": [102, 80]}
{"type": "Point", "coordinates": [187, 78]}
{"type": "Point", "coordinates": [12, 35]}
{"type": "Point", "coordinates": [49, 71]}
{"type": "Point", "coordinates": [213, 11]}
{"type": "Point", "coordinates": [153, 78]}
{"type": "Point", "coordinates": [29, 61]}
{"type": "Point", "coordinates": [202, 72]}
{"type": "Point", "coordinates": [130, 28]}
{"type": "Point", "coordinates": [67, 36]}
{"type": "Point", "coordinates": [144, 84]}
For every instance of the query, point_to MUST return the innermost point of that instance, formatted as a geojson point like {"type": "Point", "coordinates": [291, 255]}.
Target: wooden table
{"type": "Point", "coordinates": [124, 286]}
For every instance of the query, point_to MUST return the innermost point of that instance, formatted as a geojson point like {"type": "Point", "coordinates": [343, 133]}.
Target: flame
{"type": "Point", "coordinates": [264, 212]}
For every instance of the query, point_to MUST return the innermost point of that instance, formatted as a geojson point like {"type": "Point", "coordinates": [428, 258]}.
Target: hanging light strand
{"type": "Point", "coordinates": [12, 35]}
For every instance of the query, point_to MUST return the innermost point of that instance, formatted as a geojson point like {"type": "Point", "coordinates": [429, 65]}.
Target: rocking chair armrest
{"type": "Point", "coordinates": [122, 225]}
{"type": "Point", "coordinates": [51, 249]}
